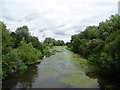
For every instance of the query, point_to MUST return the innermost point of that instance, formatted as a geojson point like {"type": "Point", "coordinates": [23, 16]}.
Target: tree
{"type": "Point", "coordinates": [49, 41]}
{"type": "Point", "coordinates": [75, 41]}
{"type": "Point", "coordinates": [100, 45]}
{"type": "Point", "coordinates": [60, 42]}
{"type": "Point", "coordinates": [22, 32]}
{"type": "Point", "coordinates": [52, 42]}
{"type": "Point", "coordinates": [36, 44]}
{"type": "Point", "coordinates": [6, 39]}
{"type": "Point", "coordinates": [19, 49]}
{"type": "Point", "coordinates": [91, 32]}
{"type": "Point", "coordinates": [28, 54]}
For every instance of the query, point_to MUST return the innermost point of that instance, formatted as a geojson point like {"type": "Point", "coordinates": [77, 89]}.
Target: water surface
{"type": "Point", "coordinates": [63, 69]}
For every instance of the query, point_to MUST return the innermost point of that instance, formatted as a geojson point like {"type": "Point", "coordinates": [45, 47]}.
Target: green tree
{"type": "Point", "coordinates": [22, 32]}
{"type": "Point", "coordinates": [36, 44]}
{"type": "Point", "coordinates": [52, 42]}
{"type": "Point", "coordinates": [60, 42]}
{"type": "Point", "coordinates": [100, 45]}
{"type": "Point", "coordinates": [28, 54]}
{"type": "Point", "coordinates": [6, 39]}
{"type": "Point", "coordinates": [11, 62]}
{"type": "Point", "coordinates": [91, 32]}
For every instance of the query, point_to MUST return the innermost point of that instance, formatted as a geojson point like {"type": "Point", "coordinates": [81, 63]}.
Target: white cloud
{"type": "Point", "coordinates": [55, 18]}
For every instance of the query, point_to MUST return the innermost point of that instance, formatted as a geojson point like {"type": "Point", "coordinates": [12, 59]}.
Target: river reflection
{"type": "Point", "coordinates": [63, 69]}
{"type": "Point", "coordinates": [104, 81]}
{"type": "Point", "coordinates": [22, 79]}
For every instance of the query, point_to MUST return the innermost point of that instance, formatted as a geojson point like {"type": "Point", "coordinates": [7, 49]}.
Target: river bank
{"type": "Point", "coordinates": [62, 69]}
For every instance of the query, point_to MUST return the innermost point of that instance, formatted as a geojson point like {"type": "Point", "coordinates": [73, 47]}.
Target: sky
{"type": "Point", "coordinates": [58, 19]}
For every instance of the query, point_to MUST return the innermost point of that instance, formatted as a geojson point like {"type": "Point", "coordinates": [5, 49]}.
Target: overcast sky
{"type": "Point", "coordinates": [55, 18]}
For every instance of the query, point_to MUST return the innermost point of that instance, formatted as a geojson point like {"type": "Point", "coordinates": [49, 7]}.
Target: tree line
{"type": "Point", "coordinates": [52, 42]}
{"type": "Point", "coordinates": [100, 45]}
{"type": "Point", "coordinates": [20, 49]}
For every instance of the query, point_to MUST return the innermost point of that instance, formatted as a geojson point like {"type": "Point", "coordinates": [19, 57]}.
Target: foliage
{"type": "Point", "coordinates": [20, 49]}
{"type": "Point", "coordinates": [52, 42]}
{"type": "Point", "coordinates": [23, 32]}
{"type": "Point", "coordinates": [6, 39]}
{"type": "Point", "coordinates": [28, 54]}
{"type": "Point", "coordinates": [11, 62]}
{"type": "Point", "coordinates": [100, 45]}
{"type": "Point", "coordinates": [19, 34]}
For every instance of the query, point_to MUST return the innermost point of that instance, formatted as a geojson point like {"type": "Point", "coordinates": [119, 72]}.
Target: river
{"type": "Point", "coordinates": [62, 69]}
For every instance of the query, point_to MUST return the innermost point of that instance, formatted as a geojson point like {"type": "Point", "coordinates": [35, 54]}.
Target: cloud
{"type": "Point", "coordinates": [55, 18]}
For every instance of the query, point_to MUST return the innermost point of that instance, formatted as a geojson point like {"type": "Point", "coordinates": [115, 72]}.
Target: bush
{"type": "Point", "coordinates": [11, 62]}
{"type": "Point", "coordinates": [100, 45]}
{"type": "Point", "coordinates": [28, 54]}
{"type": "Point", "coordinates": [46, 50]}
